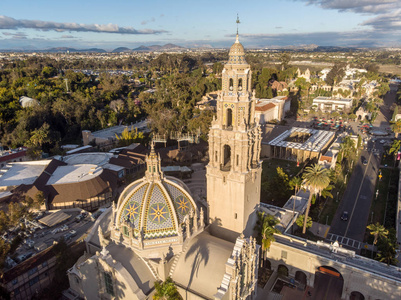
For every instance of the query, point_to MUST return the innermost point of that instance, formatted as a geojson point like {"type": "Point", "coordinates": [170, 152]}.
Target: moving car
{"type": "Point", "coordinates": [344, 216]}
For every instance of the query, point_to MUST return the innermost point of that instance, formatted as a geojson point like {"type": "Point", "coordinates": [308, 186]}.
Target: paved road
{"type": "Point", "coordinates": [360, 188]}
{"type": "Point", "coordinates": [357, 198]}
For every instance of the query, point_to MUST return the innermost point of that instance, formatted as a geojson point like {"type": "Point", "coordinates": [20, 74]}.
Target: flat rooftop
{"type": "Point", "coordinates": [74, 173]}
{"type": "Point", "coordinates": [347, 257]}
{"type": "Point", "coordinates": [22, 172]}
{"type": "Point", "coordinates": [316, 142]}
{"type": "Point", "coordinates": [330, 99]}
{"type": "Point", "coordinates": [112, 131]}
{"type": "Point", "coordinates": [95, 158]}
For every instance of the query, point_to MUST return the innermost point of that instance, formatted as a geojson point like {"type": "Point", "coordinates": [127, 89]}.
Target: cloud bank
{"type": "Point", "coordinates": [387, 13]}
{"type": "Point", "coordinates": [11, 23]}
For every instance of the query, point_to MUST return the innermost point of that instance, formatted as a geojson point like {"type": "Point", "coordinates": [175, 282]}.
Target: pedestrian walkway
{"type": "Point", "coordinates": [342, 240]}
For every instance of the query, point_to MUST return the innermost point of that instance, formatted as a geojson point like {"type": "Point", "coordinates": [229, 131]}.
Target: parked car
{"type": "Point", "coordinates": [67, 236]}
{"type": "Point", "coordinates": [344, 216]}
{"type": "Point", "coordinates": [79, 218]}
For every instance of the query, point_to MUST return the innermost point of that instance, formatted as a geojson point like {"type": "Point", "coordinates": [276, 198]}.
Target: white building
{"type": "Point", "coordinates": [329, 104]}
{"type": "Point", "coordinates": [272, 109]}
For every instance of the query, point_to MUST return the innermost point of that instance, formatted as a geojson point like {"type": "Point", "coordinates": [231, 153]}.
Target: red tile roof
{"type": "Point", "coordinates": [265, 107]}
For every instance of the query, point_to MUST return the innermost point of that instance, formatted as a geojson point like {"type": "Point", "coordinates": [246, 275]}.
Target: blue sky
{"type": "Point", "coordinates": [127, 23]}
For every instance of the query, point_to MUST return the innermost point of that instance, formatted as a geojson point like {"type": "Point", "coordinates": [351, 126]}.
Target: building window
{"type": "Point", "coordinates": [229, 117]}
{"type": "Point", "coordinates": [235, 215]}
{"type": "Point", "coordinates": [240, 84]}
{"type": "Point", "coordinates": [283, 254]}
{"type": "Point", "coordinates": [32, 271]}
{"type": "Point", "coordinates": [227, 156]}
{"type": "Point", "coordinates": [34, 281]}
{"type": "Point", "coordinates": [108, 283]}
{"type": "Point", "coordinates": [126, 231]}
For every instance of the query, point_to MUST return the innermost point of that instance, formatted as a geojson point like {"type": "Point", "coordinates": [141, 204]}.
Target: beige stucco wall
{"type": "Point", "coordinates": [370, 285]}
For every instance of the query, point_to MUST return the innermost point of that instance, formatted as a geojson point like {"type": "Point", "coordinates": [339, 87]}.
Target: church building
{"type": "Point", "coordinates": [157, 230]}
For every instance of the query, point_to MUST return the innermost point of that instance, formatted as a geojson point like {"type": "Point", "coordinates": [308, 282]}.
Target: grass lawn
{"type": "Point", "coordinates": [269, 168]}
{"type": "Point", "coordinates": [379, 203]}
{"type": "Point", "coordinates": [331, 205]}
{"type": "Point", "coordinates": [329, 208]}
{"type": "Point", "coordinates": [384, 205]}
{"type": "Point", "coordinates": [269, 172]}
{"type": "Point", "coordinates": [387, 159]}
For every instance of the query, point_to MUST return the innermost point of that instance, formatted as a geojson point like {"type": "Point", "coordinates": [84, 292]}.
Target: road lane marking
{"type": "Point", "coordinates": [357, 196]}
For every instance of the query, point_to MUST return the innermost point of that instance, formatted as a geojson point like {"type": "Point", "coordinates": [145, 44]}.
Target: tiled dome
{"type": "Point", "coordinates": [237, 53]}
{"type": "Point", "coordinates": [155, 205]}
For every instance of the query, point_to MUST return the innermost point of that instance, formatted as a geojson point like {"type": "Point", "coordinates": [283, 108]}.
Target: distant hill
{"type": "Point", "coordinates": [158, 48]}
{"type": "Point", "coordinates": [65, 49]}
{"type": "Point", "coordinates": [334, 49]}
{"type": "Point", "coordinates": [121, 49]}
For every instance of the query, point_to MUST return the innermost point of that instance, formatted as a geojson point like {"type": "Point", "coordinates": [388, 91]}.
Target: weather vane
{"type": "Point", "coordinates": [237, 21]}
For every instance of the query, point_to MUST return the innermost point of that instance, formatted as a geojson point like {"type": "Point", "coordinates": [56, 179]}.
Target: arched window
{"type": "Point", "coordinates": [229, 117]}
{"type": "Point", "coordinates": [231, 84]}
{"type": "Point", "coordinates": [240, 84]}
{"type": "Point", "coordinates": [227, 157]}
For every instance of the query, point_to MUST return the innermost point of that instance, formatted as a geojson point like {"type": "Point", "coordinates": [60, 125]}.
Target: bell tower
{"type": "Point", "coordinates": [234, 170]}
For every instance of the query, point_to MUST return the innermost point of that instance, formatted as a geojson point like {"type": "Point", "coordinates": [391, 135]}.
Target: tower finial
{"type": "Point", "coordinates": [152, 146]}
{"type": "Point", "coordinates": [237, 21]}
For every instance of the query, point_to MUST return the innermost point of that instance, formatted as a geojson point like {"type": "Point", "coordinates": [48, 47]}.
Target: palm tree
{"type": "Point", "coordinates": [316, 179]}
{"type": "Point", "coordinates": [301, 219]}
{"type": "Point", "coordinates": [295, 183]}
{"type": "Point", "coordinates": [347, 146]}
{"type": "Point", "coordinates": [387, 253]}
{"type": "Point", "coordinates": [266, 228]}
{"type": "Point", "coordinates": [395, 147]}
{"type": "Point", "coordinates": [166, 290]}
{"type": "Point", "coordinates": [378, 231]}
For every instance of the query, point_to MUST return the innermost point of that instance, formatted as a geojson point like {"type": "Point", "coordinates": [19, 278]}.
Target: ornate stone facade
{"type": "Point", "coordinates": [234, 170]}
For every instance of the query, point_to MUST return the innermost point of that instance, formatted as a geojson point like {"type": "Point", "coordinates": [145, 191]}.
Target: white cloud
{"type": "Point", "coordinates": [11, 23]}
{"type": "Point", "coordinates": [358, 6]}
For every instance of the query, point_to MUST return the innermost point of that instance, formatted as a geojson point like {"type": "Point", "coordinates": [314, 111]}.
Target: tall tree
{"type": "Point", "coordinates": [295, 183]}
{"type": "Point", "coordinates": [336, 74]}
{"type": "Point", "coordinates": [378, 231]}
{"type": "Point", "coordinates": [265, 227]}
{"type": "Point", "coordinates": [395, 113]}
{"type": "Point", "coordinates": [301, 220]}
{"type": "Point", "coordinates": [316, 179]}
{"type": "Point", "coordinates": [166, 290]}
{"type": "Point", "coordinates": [395, 147]}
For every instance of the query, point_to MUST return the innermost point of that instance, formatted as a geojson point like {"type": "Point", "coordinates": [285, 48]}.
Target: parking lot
{"type": "Point", "coordinates": [37, 237]}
